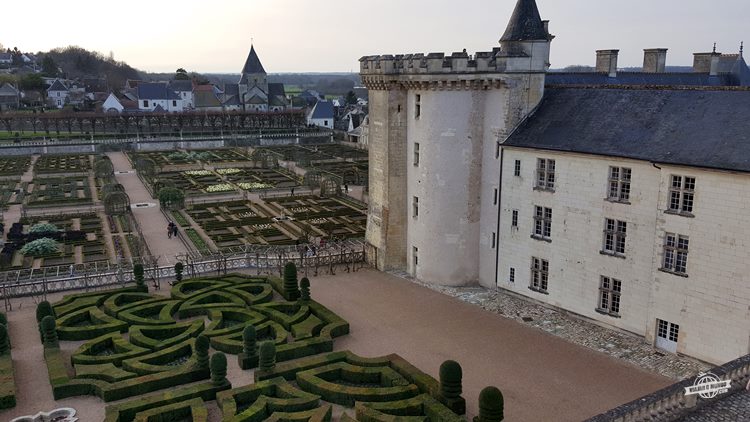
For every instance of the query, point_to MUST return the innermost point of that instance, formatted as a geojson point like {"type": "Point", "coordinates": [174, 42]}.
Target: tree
{"type": "Point", "coordinates": [138, 275]}
{"type": "Point", "coordinates": [291, 289]}
{"type": "Point", "coordinates": [31, 81]}
{"type": "Point", "coordinates": [171, 198]}
{"type": "Point", "coordinates": [178, 267]}
{"type": "Point", "coordinates": [351, 98]}
{"type": "Point", "coordinates": [49, 67]}
{"type": "Point", "coordinates": [181, 75]}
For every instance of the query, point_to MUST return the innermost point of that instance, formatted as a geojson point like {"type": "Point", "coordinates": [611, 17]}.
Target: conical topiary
{"type": "Point", "coordinates": [491, 405]}
{"type": "Point", "coordinates": [291, 290]}
{"type": "Point", "coordinates": [249, 346]}
{"type": "Point", "coordinates": [43, 309]}
{"type": "Point", "coordinates": [267, 358]}
{"type": "Point", "coordinates": [218, 369]}
{"type": "Point", "coordinates": [304, 289]}
{"type": "Point", "coordinates": [178, 267]}
{"type": "Point", "coordinates": [49, 330]}
{"type": "Point", "coordinates": [201, 350]}
{"type": "Point", "coordinates": [138, 275]}
{"type": "Point", "coordinates": [450, 379]}
{"type": "Point", "coordinates": [4, 340]}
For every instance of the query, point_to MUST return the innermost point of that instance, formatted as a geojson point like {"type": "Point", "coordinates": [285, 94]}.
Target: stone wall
{"type": "Point", "coordinates": [711, 305]}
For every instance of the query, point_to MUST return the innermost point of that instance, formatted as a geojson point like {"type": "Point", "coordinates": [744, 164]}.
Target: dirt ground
{"type": "Point", "coordinates": [543, 378]}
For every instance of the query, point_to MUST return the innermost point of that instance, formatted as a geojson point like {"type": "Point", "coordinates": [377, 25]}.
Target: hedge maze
{"type": "Point", "coordinates": [7, 381]}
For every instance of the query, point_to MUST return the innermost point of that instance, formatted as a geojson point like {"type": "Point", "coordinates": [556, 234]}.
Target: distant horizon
{"type": "Point", "coordinates": [296, 36]}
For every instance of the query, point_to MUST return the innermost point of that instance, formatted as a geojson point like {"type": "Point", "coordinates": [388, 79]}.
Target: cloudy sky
{"type": "Point", "coordinates": [331, 35]}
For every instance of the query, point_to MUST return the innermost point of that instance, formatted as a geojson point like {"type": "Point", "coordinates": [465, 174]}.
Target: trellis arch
{"type": "Point", "coordinates": [312, 179]}
{"type": "Point", "coordinates": [110, 188]}
{"type": "Point", "coordinates": [146, 167]}
{"type": "Point", "coordinates": [116, 203]}
{"type": "Point", "coordinates": [351, 176]}
{"type": "Point", "coordinates": [330, 186]}
{"type": "Point", "coordinates": [265, 158]}
{"type": "Point", "coordinates": [103, 168]}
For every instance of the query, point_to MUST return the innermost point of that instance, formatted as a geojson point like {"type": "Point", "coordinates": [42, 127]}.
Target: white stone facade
{"type": "Point", "coordinates": [716, 289]}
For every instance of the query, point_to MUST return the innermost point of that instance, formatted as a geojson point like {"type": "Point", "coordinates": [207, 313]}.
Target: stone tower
{"type": "Point", "coordinates": [435, 123]}
{"type": "Point", "coordinates": [253, 85]}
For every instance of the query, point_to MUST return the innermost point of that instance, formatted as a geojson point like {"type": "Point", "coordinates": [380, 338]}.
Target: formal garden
{"type": "Point", "coordinates": [59, 240]}
{"type": "Point", "coordinates": [275, 221]}
{"type": "Point", "coordinates": [59, 191]}
{"type": "Point", "coordinates": [15, 166]}
{"type": "Point", "coordinates": [154, 357]}
{"type": "Point", "coordinates": [63, 164]}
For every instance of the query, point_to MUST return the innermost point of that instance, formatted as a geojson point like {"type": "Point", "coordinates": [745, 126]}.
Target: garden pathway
{"type": "Point", "coordinates": [543, 377]}
{"type": "Point", "coordinates": [152, 221]}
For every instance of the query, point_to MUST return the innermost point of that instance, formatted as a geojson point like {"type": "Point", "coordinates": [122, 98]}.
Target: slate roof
{"type": "Point", "coordinates": [8, 90]}
{"type": "Point", "coordinates": [57, 86]}
{"type": "Point", "coordinates": [276, 89]}
{"type": "Point", "coordinates": [231, 89]}
{"type": "Point", "coordinates": [233, 100]}
{"type": "Point", "coordinates": [322, 110]}
{"type": "Point", "coordinates": [252, 64]}
{"type": "Point", "coordinates": [694, 127]}
{"type": "Point", "coordinates": [525, 23]}
{"type": "Point", "coordinates": [181, 85]}
{"type": "Point", "coordinates": [155, 91]}
{"type": "Point", "coordinates": [206, 99]}
{"type": "Point", "coordinates": [638, 78]}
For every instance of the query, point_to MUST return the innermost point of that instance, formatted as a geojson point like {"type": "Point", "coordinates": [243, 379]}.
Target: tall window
{"type": "Point", "coordinates": [543, 222]}
{"type": "Point", "coordinates": [668, 331]}
{"type": "Point", "coordinates": [675, 253]}
{"type": "Point", "coordinates": [619, 184]}
{"type": "Point", "coordinates": [494, 239]}
{"type": "Point", "coordinates": [512, 275]}
{"type": "Point", "coordinates": [682, 194]}
{"type": "Point", "coordinates": [495, 200]}
{"type": "Point", "coordinates": [609, 296]}
{"type": "Point", "coordinates": [416, 153]}
{"type": "Point", "coordinates": [545, 174]}
{"type": "Point", "coordinates": [417, 106]}
{"type": "Point", "coordinates": [539, 275]}
{"type": "Point", "coordinates": [514, 220]}
{"type": "Point", "coordinates": [415, 255]}
{"type": "Point", "coordinates": [614, 236]}
{"type": "Point", "coordinates": [517, 168]}
{"type": "Point", "coordinates": [145, 103]}
{"type": "Point", "coordinates": [415, 207]}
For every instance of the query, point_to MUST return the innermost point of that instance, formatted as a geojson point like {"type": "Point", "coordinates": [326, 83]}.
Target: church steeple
{"type": "Point", "coordinates": [525, 24]}
{"type": "Point", "coordinates": [252, 64]}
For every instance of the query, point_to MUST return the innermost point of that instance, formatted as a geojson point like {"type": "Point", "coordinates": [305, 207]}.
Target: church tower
{"type": "Point", "coordinates": [435, 124]}
{"type": "Point", "coordinates": [253, 85]}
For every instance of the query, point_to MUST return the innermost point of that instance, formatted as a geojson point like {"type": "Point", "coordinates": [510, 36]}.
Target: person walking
{"type": "Point", "coordinates": [174, 230]}
{"type": "Point", "coordinates": [170, 229]}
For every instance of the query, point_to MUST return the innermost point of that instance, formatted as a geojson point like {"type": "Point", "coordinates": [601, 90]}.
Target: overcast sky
{"type": "Point", "coordinates": [331, 35]}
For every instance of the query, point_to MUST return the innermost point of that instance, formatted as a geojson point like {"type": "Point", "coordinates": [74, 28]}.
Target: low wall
{"type": "Point", "coordinates": [671, 404]}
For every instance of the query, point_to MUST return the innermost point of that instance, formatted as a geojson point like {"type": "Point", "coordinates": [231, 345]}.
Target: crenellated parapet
{"type": "Point", "coordinates": [457, 71]}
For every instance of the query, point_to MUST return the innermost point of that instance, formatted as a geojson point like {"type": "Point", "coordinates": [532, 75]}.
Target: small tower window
{"type": "Point", "coordinates": [417, 106]}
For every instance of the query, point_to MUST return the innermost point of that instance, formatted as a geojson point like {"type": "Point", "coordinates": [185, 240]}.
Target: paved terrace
{"type": "Point", "coordinates": [544, 378]}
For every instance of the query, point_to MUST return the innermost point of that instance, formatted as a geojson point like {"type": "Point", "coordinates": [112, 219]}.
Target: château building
{"type": "Point", "coordinates": [622, 197]}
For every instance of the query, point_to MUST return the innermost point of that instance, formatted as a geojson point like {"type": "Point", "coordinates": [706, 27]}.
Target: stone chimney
{"type": "Point", "coordinates": [606, 62]}
{"type": "Point", "coordinates": [706, 63]}
{"type": "Point", "coordinates": [654, 60]}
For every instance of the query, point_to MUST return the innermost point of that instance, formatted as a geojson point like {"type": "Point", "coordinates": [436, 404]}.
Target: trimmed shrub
{"type": "Point", "coordinates": [7, 383]}
{"type": "Point", "coordinates": [178, 268]}
{"type": "Point", "coordinates": [138, 275]}
{"type": "Point", "coordinates": [450, 379]}
{"type": "Point", "coordinates": [3, 319]}
{"type": "Point", "coordinates": [491, 405]}
{"type": "Point", "coordinates": [291, 290]}
{"type": "Point", "coordinates": [267, 359]}
{"type": "Point", "coordinates": [42, 310]}
{"type": "Point", "coordinates": [41, 248]}
{"type": "Point", "coordinates": [249, 346]}
{"type": "Point", "coordinates": [49, 332]}
{"type": "Point", "coordinates": [201, 350]}
{"type": "Point", "coordinates": [304, 287]}
{"type": "Point", "coordinates": [4, 340]}
{"type": "Point", "coordinates": [219, 369]}
{"type": "Point", "coordinates": [127, 411]}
